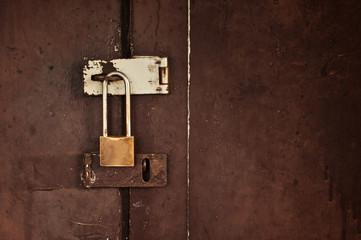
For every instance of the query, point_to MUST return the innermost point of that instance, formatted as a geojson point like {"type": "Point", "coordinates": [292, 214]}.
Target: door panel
{"type": "Point", "coordinates": [47, 122]}
{"type": "Point", "coordinates": [159, 28]}
{"type": "Point", "coordinates": [275, 95]}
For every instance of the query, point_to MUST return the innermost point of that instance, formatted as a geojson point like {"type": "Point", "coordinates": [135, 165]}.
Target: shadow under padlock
{"type": "Point", "coordinates": [116, 165]}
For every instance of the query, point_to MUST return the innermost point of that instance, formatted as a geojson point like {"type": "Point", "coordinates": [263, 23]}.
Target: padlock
{"type": "Point", "coordinates": [116, 151]}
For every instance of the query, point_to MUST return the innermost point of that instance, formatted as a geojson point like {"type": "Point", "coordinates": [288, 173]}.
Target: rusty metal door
{"type": "Point", "coordinates": [272, 125]}
{"type": "Point", "coordinates": [262, 133]}
{"type": "Point", "coordinates": [47, 122]}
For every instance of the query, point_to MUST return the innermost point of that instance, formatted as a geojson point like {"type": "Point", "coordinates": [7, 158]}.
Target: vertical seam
{"type": "Point", "coordinates": [188, 112]}
{"type": "Point", "coordinates": [124, 30]}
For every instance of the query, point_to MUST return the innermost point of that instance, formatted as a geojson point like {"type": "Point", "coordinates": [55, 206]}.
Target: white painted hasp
{"type": "Point", "coordinates": [147, 75]}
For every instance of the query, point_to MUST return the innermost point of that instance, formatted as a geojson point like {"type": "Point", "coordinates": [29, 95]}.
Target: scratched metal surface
{"type": "Point", "coordinates": [47, 122]}
{"type": "Point", "coordinates": [275, 120]}
{"type": "Point", "coordinates": [275, 110]}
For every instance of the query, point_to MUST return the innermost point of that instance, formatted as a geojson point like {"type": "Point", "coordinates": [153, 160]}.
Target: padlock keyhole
{"type": "Point", "coordinates": [146, 170]}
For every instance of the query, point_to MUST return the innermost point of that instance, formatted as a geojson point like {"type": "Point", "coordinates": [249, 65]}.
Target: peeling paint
{"type": "Point", "coordinates": [147, 75]}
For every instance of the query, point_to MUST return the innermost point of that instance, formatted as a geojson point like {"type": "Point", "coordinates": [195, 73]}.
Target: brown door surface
{"type": "Point", "coordinates": [262, 135]}
{"type": "Point", "coordinates": [47, 122]}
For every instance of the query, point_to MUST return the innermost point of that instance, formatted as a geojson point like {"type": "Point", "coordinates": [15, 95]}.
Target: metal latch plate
{"type": "Point", "coordinates": [95, 176]}
{"type": "Point", "coordinates": [147, 75]}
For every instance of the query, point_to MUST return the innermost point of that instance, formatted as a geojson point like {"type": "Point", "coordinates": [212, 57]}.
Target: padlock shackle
{"type": "Point", "coordinates": [127, 102]}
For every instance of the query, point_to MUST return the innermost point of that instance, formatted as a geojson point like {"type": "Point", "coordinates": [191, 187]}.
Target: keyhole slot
{"type": "Point", "coordinates": [146, 170]}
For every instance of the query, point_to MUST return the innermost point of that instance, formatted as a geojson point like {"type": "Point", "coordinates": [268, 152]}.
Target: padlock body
{"type": "Point", "coordinates": [117, 151]}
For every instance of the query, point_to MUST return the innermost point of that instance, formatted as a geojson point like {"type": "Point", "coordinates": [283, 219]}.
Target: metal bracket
{"type": "Point", "coordinates": [150, 170]}
{"type": "Point", "coordinates": [147, 75]}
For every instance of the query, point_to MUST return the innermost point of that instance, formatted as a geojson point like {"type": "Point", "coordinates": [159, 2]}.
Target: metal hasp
{"type": "Point", "coordinates": [147, 75]}
{"type": "Point", "coordinates": [150, 170]}
{"type": "Point", "coordinates": [116, 165]}
{"type": "Point", "coordinates": [116, 151]}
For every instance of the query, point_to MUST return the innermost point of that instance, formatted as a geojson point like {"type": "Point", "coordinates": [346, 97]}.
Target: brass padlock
{"type": "Point", "coordinates": [116, 151]}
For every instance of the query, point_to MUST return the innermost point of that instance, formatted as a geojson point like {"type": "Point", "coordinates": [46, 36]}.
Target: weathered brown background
{"type": "Point", "coordinates": [275, 120]}
{"type": "Point", "coordinates": [275, 112]}
{"type": "Point", "coordinates": [47, 122]}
